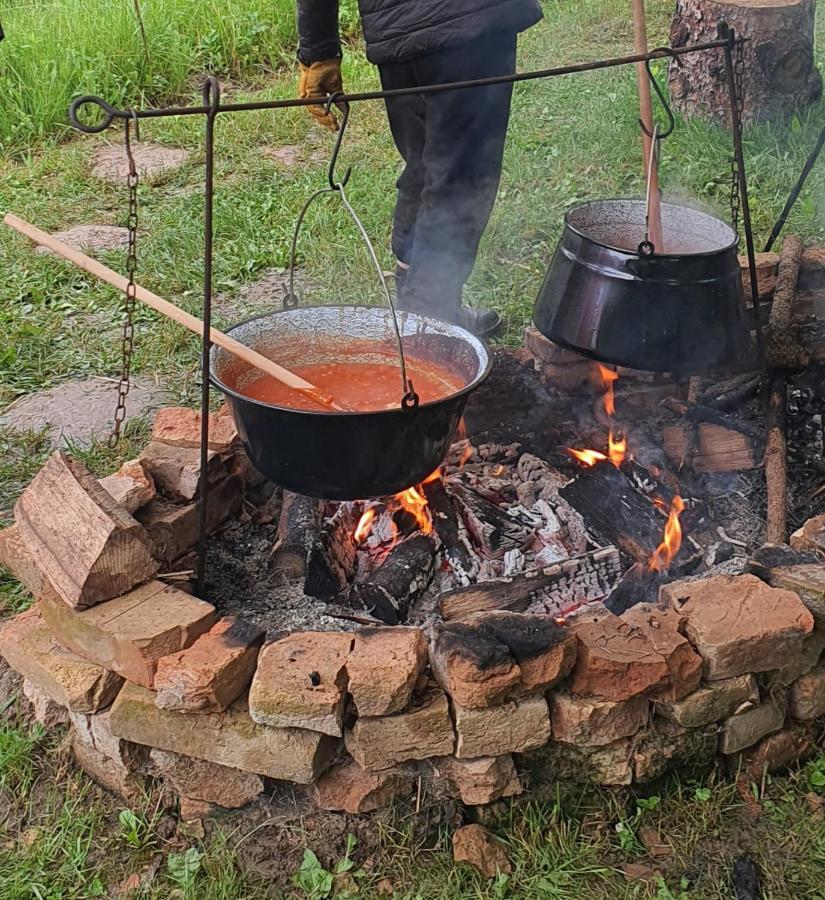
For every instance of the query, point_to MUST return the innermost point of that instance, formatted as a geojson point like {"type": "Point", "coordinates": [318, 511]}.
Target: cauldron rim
{"type": "Point", "coordinates": [478, 345]}
{"type": "Point", "coordinates": [734, 242]}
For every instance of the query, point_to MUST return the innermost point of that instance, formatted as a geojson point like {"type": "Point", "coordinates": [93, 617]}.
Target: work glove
{"type": "Point", "coordinates": [318, 80]}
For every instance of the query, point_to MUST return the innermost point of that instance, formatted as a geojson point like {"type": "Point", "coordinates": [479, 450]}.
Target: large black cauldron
{"type": "Point", "coordinates": [347, 455]}
{"type": "Point", "coordinates": [679, 310]}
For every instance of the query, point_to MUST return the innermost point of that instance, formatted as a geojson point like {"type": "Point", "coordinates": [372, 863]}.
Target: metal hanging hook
{"type": "Point", "coordinates": [336, 183]}
{"type": "Point", "coordinates": [660, 134]}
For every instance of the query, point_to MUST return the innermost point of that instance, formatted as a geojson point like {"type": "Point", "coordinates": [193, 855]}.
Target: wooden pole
{"type": "Point", "coordinates": [646, 115]}
{"type": "Point", "coordinates": [193, 323]}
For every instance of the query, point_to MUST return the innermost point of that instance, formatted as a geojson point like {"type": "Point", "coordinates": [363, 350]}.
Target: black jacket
{"type": "Point", "coordinates": [399, 30]}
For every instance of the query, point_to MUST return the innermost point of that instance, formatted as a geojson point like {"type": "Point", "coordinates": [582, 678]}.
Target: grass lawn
{"type": "Point", "coordinates": [571, 138]}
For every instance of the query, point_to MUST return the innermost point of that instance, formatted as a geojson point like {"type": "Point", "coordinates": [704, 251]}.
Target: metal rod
{"type": "Point", "coordinates": [729, 35]}
{"type": "Point", "coordinates": [797, 190]}
{"type": "Point", "coordinates": [111, 113]}
{"type": "Point", "coordinates": [212, 97]}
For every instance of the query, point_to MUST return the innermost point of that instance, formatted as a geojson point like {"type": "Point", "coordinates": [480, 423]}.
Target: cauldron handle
{"type": "Point", "coordinates": [409, 398]}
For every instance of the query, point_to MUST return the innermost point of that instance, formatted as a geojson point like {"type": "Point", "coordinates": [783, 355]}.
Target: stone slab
{"type": "Point", "coordinates": [807, 695]}
{"type": "Point", "coordinates": [79, 412]}
{"type": "Point", "coordinates": [595, 722]}
{"type": "Point", "coordinates": [347, 787]}
{"type": "Point", "coordinates": [749, 726]}
{"type": "Point", "coordinates": [230, 738]}
{"type": "Point", "coordinates": [129, 634]}
{"type": "Point", "coordinates": [481, 781]}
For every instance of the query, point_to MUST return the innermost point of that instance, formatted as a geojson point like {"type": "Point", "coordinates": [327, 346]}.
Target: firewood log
{"type": "Point", "coordinates": [298, 528]}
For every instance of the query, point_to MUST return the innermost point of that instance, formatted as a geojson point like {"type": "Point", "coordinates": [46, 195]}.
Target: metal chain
{"type": "Point", "coordinates": [129, 298]}
{"type": "Point", "coordinates": [739, 80]}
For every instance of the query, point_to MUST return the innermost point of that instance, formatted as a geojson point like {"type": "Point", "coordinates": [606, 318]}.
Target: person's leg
{"type": "Point", "coordinates": [462, 158]}
{"type": "Point", "coordinates": [406, 119]}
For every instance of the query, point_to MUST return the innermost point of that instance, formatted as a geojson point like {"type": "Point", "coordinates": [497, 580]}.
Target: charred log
{"type": "Point", "coordinates": [553, 589]}
{"type": "Point", "coordinates": [731, 393]}
{"type": "Point", "coordinates": [454, 539]}
{"type": "Point", "coordinates": [398, 582]}
{"type": "Point", "coordinates": [298, 528]}
{"type": "Point", "coordinates": [608, 501]}
{"type": "Point", "coordinates": [332, 557]}
{"type": "Point", "coordinates": [639, 584]}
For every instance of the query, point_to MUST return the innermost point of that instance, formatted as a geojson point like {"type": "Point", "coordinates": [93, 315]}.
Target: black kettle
{"type": "Point", "coordinates": [610, 295]}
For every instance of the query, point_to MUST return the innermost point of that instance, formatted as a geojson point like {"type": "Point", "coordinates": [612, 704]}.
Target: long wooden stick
{"type": "Point", "coordinates": [646, 115]}
{"type": "Point", "coordinates": [193, 323]}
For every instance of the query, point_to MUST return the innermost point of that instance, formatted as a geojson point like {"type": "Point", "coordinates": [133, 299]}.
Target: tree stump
{"type": "Point", "coordinates": [780, 76]}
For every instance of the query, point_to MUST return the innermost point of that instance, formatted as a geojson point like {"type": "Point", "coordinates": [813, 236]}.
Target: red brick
{"type": "Point", "coordinates": [29, 647]}
{"type": "Point", "coordinates": [594, 722]}
{"type": "Point", "coordinates": [213, 672]}
{"type": "Point", "coordinates": [481, 781]}
{"type": "Point", "coordinates": [515, 726]}
{"type": "Point", "coordinates": [615, 661]}
{"type": "Point", "coordinates": [347, 787]}
{"type": "Point", "coordinates": [207, 782]}
{"type": "Point", "coordinates": [738, 624]}
{"type": "Point", "coordinates": [301, 682]}
{"type": "Point", "coordinates": [180, 426]}
{"type": "Point", "coordinates": [383, 668]}
{"type": "Point", "coordinates": [131, 633]}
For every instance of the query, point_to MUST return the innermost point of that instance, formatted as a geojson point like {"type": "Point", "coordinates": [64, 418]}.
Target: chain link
{"type": "Point", "coordinates": [130, 298]}
{"type": "Point", "coordinates": [739, 82]}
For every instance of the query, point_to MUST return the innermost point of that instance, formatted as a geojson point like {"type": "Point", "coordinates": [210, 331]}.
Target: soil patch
{"type": "Point", "coordinates": [110, 162]}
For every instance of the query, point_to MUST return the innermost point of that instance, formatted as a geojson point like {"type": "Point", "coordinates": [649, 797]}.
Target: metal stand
{"type": "Point", "coordinates": [212, 106]}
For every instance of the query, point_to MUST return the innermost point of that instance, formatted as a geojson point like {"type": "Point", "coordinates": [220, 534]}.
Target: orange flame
{"type": "Point", "coordinates": [415, 503]}
{"type": "Point", "coordinates": [587, 457]}
{"type": "Point", "coordinates": [364, 526]}
{"type": "Point", "coordinates": [664, 554]}
{"type": "Point", "coordinates": [616, 448]}
{"type": "Point", "coordinates": [608, 376]}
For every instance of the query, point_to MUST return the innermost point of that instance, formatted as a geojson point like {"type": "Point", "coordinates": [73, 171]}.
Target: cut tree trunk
{"type": "Point", "coordinates": [330, 564]}
{"type": "Point", "coordinates": [780, 76]}
{"type": "Point", "coordinates": [87, 545]}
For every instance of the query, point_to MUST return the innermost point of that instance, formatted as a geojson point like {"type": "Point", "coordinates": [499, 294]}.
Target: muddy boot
{"type": "Point", "coordinates": [483, 323]}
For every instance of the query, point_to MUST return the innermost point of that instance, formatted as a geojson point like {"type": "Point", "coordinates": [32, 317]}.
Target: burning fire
{"type": "Point", "coordinates": [616, 440]}
{"type": "Point", "coordinates": [664, 554]}
{"type": "Point", "coordinates": [413, 500]}
{"type": "Point", "coordinates": [608, 376]}
{"type": "Point", "coordinates": [587, 457]}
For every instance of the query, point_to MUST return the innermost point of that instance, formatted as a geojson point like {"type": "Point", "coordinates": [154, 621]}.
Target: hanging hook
{"type": "Point", "coordinates": [334, 183]}
{"type": "Point", "coordinates": [671, 119]}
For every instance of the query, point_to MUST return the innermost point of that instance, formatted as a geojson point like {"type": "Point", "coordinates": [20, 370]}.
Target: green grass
{"type": "Point", "coordinates": [56, 50]}
{"type": "Point", "coordinates": [571, 138]}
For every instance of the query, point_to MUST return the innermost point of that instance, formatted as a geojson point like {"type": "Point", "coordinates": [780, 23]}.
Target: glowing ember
{"type": "Point", "coordinates": [364, 526]}
{"type": "Point", "coordinates": [616, 448]}
{"type": "Point", "coordinates": [586, 457]}
{"type": "Point", "coordinates": [664, 554]}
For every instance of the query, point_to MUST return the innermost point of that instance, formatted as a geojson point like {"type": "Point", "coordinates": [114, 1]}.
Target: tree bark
{"type": "Point", "coordinates": [780, 76]}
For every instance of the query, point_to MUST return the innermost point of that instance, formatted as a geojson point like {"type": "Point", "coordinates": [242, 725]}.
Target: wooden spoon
{"type": "Point", "coordinates": [193, 323]}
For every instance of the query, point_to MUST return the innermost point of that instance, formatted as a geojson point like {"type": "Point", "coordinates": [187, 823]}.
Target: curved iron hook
{"type": "Point", "coordinates": [671, 119]}
{"type": "Point", "coordinates": [344, 107]}
{"type": "Point", "coordinates": [211, 93]}
{"type": "Point", "coordinates": [109, 114]}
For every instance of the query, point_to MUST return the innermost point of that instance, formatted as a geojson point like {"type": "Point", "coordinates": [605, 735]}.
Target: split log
{"type": "Point", "coordinates": [402, 578]}
{"type": "Point", "coordinates": [330, 565]}
{"type": "Point", "coordinates": [780, 75]}
{"type": "Point", "coordinates": [553, 589]}
{"type": "Point", "coordinates": [176, 471]}
{"type": "Point", "coordinates": [88, 546]}
{"type": "Point", "coordinates": [455, 542]}
{"type": "Point", "coordinates": [610, 504]}
{"type": "Point", "coordinates": [492, 528]}
{"type": "Point", "coordinates": [717, 449]}
{"type": "Point", "coordinates": [298, 528]}
{"type": "Point", "coordinates": [766, 266]}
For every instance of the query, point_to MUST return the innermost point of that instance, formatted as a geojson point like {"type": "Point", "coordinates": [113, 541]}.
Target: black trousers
{"type": "Point", "coordinates": [452, 144]}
